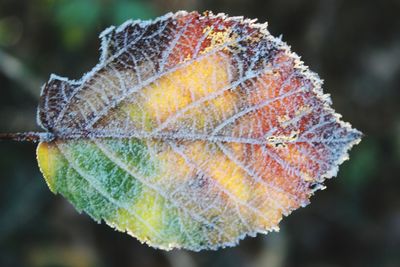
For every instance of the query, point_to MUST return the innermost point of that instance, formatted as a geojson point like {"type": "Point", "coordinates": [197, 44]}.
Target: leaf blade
{"type": "Point", "coordinates": [195, 140]}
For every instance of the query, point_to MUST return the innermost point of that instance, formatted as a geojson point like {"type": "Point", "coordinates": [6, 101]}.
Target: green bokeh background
{"type": "Point", "coordinates": [353, 44]}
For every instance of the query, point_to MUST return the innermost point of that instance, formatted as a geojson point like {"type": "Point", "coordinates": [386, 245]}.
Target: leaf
{"type": "Point", "coordinates": [192, 132]}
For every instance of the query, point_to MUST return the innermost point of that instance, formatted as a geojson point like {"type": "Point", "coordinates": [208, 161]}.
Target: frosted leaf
{"type": "Point", "coordinates": [193, 131]}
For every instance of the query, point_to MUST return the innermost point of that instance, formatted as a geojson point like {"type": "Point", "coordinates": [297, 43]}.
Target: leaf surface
{"type": "Point", "coordinates": [193, 131]}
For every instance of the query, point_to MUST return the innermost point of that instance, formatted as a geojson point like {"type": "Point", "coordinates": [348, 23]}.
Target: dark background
{"type": "Point", "coordinates": [353, 45]}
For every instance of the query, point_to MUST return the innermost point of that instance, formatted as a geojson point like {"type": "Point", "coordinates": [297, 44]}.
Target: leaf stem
{"type": "Point", "coordinates": [27, 137]}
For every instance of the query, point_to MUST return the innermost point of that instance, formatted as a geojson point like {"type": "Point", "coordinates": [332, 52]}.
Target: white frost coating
{"type": "Point", "coordinates": [131, 63]}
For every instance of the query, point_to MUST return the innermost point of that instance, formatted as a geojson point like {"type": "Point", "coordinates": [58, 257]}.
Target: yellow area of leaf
{"type": "Point", "coordinates": [149, 208]}
{"type": "Point", "coordinates": [48, 158]}
{"type": "Point", "coordinates": [217, 38]}
{"type": "Point", "coordinates": [224, 171]}
{"type": "Point", "coordinates": [139, 116]}
{"type": "Point", "coordinates": [228, 175]}
{"type": "Point", "coordinates": [172, 165]}
{"type": "Point", "coordinates": [177, 90]}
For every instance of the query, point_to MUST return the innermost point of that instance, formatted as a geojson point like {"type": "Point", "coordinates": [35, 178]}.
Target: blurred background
{"type": "Point", "coordinates": [353, 44]}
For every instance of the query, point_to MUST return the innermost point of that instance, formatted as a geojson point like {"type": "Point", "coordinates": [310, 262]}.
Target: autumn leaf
{"type": "Point", "coordinates": [193, 131]}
